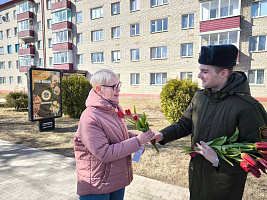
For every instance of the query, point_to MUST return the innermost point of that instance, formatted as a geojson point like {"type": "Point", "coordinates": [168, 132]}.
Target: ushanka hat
{"type": "Point", "coordinates": [218, 55]}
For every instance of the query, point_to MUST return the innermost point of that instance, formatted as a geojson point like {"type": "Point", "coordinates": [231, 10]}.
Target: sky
{"type": "Point", "coordinates": [4, 1]}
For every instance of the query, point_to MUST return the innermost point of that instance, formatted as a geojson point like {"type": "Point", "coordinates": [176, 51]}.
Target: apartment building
{"type": "Point", "coordinates": [145, 42]}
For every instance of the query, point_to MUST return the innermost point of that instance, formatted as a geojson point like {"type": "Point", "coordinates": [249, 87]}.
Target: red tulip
{"type": "Point", "coordinates": [262, 164]}
{"type": "Point", "coordinates": [128, 112]}
{"type": "Point", "coordinates": [263, 153]}
{"type": "Point", "coordinates": [254, 171]}
{"type": "Point", "coordinates": [193, 154]}
{"type": "Point", "coordinates": [135, 117]}
{"type": "Point", "coordinates": [248, 159]}
{"type": "Point", "coordinates": [121, 114]}
{"type": "Point", "coordinates": [244, 165]}
{"type": "Point", "coordinates": [261, 145]}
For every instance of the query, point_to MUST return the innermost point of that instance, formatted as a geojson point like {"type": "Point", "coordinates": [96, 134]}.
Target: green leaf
{"type": "Point", "coordinates": [134, 110]}
{"type": "Point", "coordinates": [218, 141]}
{"type": "Point", "coordinates": [222, 156]}
{"type": "Point", "coordinates": [234, 137]}
{"type": "Point", "coordinates": [144, 116]}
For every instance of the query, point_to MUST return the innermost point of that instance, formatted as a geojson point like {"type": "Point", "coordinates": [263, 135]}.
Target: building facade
{"type": "Point", "coordinates": [145, 42]}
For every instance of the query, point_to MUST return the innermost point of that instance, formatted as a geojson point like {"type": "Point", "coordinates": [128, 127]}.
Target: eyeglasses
{"type": "Point", "coordinates": [114, 87]}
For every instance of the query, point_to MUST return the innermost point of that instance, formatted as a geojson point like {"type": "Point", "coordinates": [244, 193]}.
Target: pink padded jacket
{"type": "Point", "coordinates": [103, 147]}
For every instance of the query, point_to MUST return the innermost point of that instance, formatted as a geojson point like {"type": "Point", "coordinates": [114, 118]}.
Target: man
{"type": "Point", "coordinates": [224, 104]}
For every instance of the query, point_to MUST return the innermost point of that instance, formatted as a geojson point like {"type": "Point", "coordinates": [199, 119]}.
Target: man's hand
{"type": "Point", "coordinates": [158, 136]}
{"type": "Point", "coordinates": [207, 152]}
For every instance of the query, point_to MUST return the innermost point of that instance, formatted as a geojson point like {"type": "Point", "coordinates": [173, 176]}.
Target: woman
{"type": "Point", "coordinates": [102, 143]}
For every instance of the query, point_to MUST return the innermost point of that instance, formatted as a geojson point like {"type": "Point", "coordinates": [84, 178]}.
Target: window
{"type": "Point", "coordinates": [115, 32]}
{"type": "Point", "coordinates": [40, 62]}
{"type": "Point", "coordinates": [257, 43]}
{"type": "Point", "coordinates": [1, 50]}
{"type": "Point", "coordinates": [40, 44]}
{"type": "Point", "coordinates": [48, 4]}
{"type": "Point", "coordinates": [2, 65]}
{"type": "Point", "coordinates": [16, 48]}
{"type": "Point", "coordinates": [115, 8]}
{"type": "Point", "coordinates": [79, 38]}
{"type": "Point", "coordinates": [158, 78]}
{"type": "Point", "coordinates": [134, 5]}
{"type": "Point", "coordinates": [258, 9]}
{"type": "Point", "coordinates": [1, 34]}
{"type": "Point", "coordinates": [38, 7]}
{"type": "Point", "coordinates": [38, 26]}
{"type": "Point", "coordinates": [61, 16]}
{"type": "Point", "coordinates": [186, 75]}
{"type": "Point", "coordinates": [51, 61]}
{"type": "Point", "coordinates": [98, 57]}
{"type": "Point", "coordinates": [15, 31]}
{"type": "Point", "coordinates": [79, 17]}
{"type": "Point", "coordinates": [24, 7]}
{"type": "Point", "coordinates": [50, 43]}
{"type": "Point", "coordinates": [11, 80]}
{"type": "Point", "coordinates": [17, 64]}
{"type": "Point", "coordinates": [80, 59]}
{"type": "Point", "coordinates": [188, 21]}
{"type": "Point", "coordinates": [9, 50]}
{"type": "Point", "coordinates": [9, 63]}
{"type": "Point", "coordinates": [19, 80]}
{"type": "Point", "coordinates": [220, 38]}
{"type": "Point", "coordinates": [135, 79]}
{"type": "Point", "coordinates": [158, 52]}
{"type": "Point", "coordinates": [14, 14]}
{"type": "Point", "coordinates": [97, 35]}
{"type": "Point", "coordinates": [49, 23]}
{"type": "Point", "coordinates": [8, 33]}
{"type": "Point", "coordinates": [25, 25]}
{"type": "Point", "coordinates": [7, 17]}
{"type": "Point", "coordinates": [219, 8]}
{"type": "Point", "coordinates": [158, 2]}
{"type": "Point", "coordinates": [26, 60]}
{"type": "Point", "coordinates": [256, 77]}
{"type": "Point", "coordinates": [97, 13]}
{"type": "Point", "coordinates": [135, 54]}
{"type": "Point", "coordinates": [62, 57]}
{"type": "Point", "coordinates": [2, 80]}
{"type": "Point", "coordinates": [187, 50]}
{"type": "Point", "coordinates": [116, 56]}
{"type": "Point", "coordinates": [61, 36]}
{"type": "Point", "coordinates": [134, 29]}
{"type": "Point", "coordinates": [0, 19]}
{"type": "Point", "coordinates": [159, 25]}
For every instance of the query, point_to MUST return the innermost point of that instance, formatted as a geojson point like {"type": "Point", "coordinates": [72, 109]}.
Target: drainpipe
{"type": "Point", "coordinates": [43, 33]}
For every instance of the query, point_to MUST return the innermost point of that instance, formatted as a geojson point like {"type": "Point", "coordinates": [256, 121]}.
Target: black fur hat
{"type": "Point", "coordinates": [218, 55]}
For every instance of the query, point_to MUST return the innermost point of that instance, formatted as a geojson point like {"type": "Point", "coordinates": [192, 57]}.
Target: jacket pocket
{"type": "Point", "coordinates": [106, 172]}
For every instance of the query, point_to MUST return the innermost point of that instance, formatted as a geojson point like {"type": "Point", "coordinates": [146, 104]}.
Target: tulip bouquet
{"type": "Point", "coordinates": [251, 156]}
{"type": "Point", "coordinates": [139, 121]}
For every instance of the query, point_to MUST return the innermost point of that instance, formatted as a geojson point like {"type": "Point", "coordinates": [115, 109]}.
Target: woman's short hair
{"type": "Point", "coordinates": [102, 77]}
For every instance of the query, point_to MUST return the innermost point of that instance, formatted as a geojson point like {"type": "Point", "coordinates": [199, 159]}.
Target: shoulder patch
{"type": "Point", "coordinates": [247, 98]}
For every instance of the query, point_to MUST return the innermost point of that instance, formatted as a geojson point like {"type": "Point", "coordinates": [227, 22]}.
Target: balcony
{"type": "Point", "coordinates": [23, 16]}
{"type": "Point", "coordinates": [62, 25]}
{"type": "Point", "coordinates": [26, 34]}
{"type": "Point", "coordinates": [61, 5]}
{"type": "Point", "coordinates": [62, 46]}
{"type": "Point", "coordinates": [66, 66]}
{"type": "Point", "coordinates": [25, 68]}
{"type": "Point", "coordinates": [26, 49]}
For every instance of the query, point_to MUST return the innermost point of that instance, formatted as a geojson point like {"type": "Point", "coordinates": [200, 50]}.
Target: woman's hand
{"type": "Point", "coordinates": [144, 137]}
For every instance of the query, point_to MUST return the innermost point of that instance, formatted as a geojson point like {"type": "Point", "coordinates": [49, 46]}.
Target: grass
{"type": "Point", "coordinates": [169, 166]}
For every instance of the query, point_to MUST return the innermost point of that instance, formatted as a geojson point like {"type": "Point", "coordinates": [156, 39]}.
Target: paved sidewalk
{"type": "Point", "coordinates": [31, 174]}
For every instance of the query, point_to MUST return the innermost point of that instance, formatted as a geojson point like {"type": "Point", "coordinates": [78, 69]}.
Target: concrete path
{"type": "Point", "coordinates": [31, 174]}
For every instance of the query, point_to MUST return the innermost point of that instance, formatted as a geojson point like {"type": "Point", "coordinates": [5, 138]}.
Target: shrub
{"type": "Point", "coordinates": [17, 100]}
{"type": "Point", "coordinates": [175, 97]}
{"type": "Point", "coordinates": [75, 90]}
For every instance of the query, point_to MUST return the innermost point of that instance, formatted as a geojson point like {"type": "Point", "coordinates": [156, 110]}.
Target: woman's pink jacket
{"type": "Point", "coordinates": [103, 147]}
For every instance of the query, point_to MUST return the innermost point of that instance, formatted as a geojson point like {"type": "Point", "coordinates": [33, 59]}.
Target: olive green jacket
{"type": "Point", "coordinates": [211, 115]}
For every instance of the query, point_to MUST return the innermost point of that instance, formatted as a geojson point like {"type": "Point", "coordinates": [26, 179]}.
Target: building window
{"type": "Point", "coordinates": [80, 59]}
{"type": "Point", "coordinates": [24, 7]}
{"type": "Point", "coordinates": [134, 5]}
{"type": "Point", "coordinates": [97, 13]}
{"type": "Point", "coordinates": [61, 16]}
{"type": "Point", "coordinates": [0, 19]}
{"type": "Point", "coordinates": [19, 81]}
{"type": "Point", "coordinates": [49, 23]}
{"type": "Point", "coordinates": [17, 64]}
{"type": "Point", "coordinates": [2, 65]}
{"type": "Point", "coordinates": [159, 25]}
{"type": "Point", "coordinates": [158, 78]}
{"type": "Point", "coordinates": [9, 50]}
{"type": "Point", "coordinates": [11, 80]}
{"type": "Point", "coordinates": [79, 38]}
{"type": "Point", "coordinates": [16, 48]}
{"type": "Point", "coordinates": [115, 8]}
{"type": "Point", "coordinates": [79, 17]}
{"type": "Point", "coordinates": [26, 60]}
{"type": "Point", "coordinates": [186, 75]}
{"type": "Point", "coordinates": [38, 7]}
{"type": "Point", "coordinates": [158, 52]}
{"type": "Point", "coordinates": [7, 17]}
{"type": "Point", "coordinates": [15, 31]}
{"type": "Point", "coordinates": [135, 79]}
{"type": "Point", "coordinates": [61, 36]}
{"type": "Point", "coordinates": [257, 43]}
{"type": "Point", "coordinates": [98, 57]}
{"type": "Point", "coordinates": [1, 50]}
{"type": "Point", "coordinates": [50, 43]}
{"type": "Point", "coordinates": [1, 34]}
{"type": "Point", "coordinates": [134, 29]}
{"type": "Point", "coordinates": [187, 50]}
{"type": "Point", "coordinates": [2, 80]}
{"type": "Point", "coordinates": [25, 25]}
{"type": "Point", "coordinates": [135, 54]}
{"type": "Point", "coordinates": [188, 21]}
{"type": "Point", "coordinates": [14, 14]}
{"type": "Point", "coordinates": [8, 33]}
{"type": "Point", "coordinates": [48, 3]}
{"type": "Point", "coordinates": [40, 44]}
{"type": "Point", "coordinates": [97, 35]}
{"type": "Point", "coordinates": [40, 62]}
{"type": "Point", "coordinates": [217, 9]}
{"type": "Point", "coordinates": [62, 57]}
{"type": "Point", "coordinates": [51, 61]}
{"type": "Point", "coordinates": [258, 9]}
{"type": "Point", "coordinates": [158, 2]}
{"type": "Point", "coordinates": [115, 32]}
{"type": "Point", "coordinates": [116, 56]}
{"type": "Point", "coordinates": [38, 26]}
{"type": "Point", "coordinates": [9, 65]}
{"type": "Point", "coordinates": [220, 38]}
{"type": "Point", "coordinates": [256, 77]}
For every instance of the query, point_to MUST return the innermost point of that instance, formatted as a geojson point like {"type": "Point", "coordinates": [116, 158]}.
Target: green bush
{"type": "Point", "coordinates": [17, 100]}
{"type": "Point", "coordinates": [75, 90]}
{"type": "Point", "coordinates": [175, 97]}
